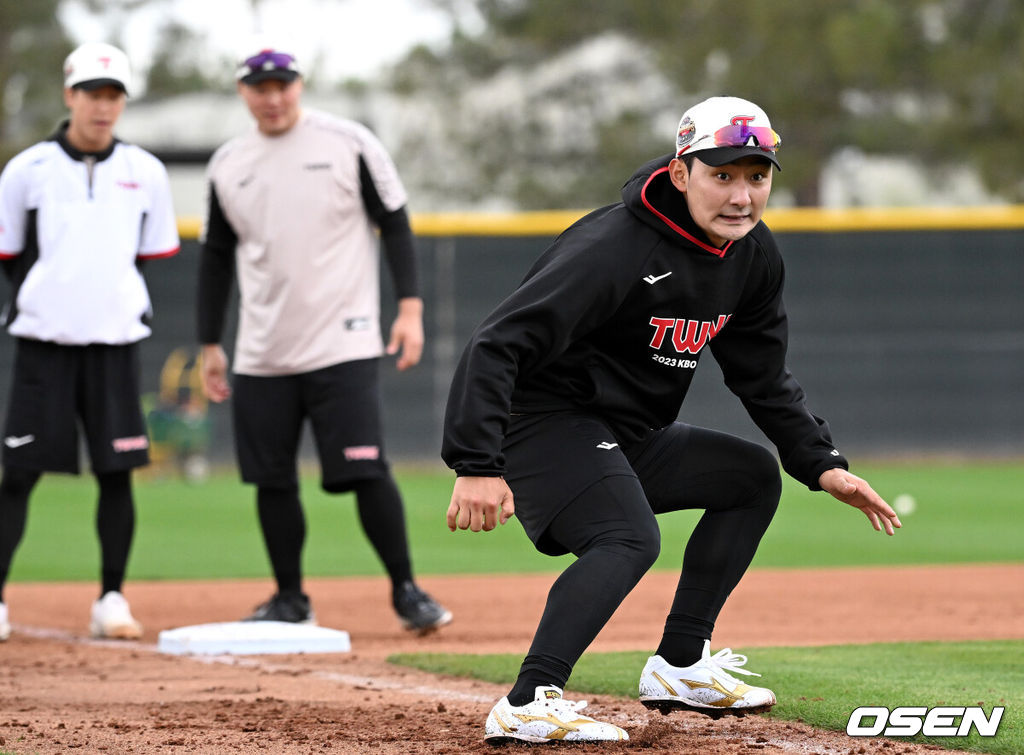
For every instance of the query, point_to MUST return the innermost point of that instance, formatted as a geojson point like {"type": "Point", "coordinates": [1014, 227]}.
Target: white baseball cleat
{"type": "Point", "coordinates": [549, 718]}
{"type": "Point", "coordinates": [706, 687]}
{"type": "Point", "coordinates": [5, 626]}
{"type": "Point", "coordinates": [112, 618]}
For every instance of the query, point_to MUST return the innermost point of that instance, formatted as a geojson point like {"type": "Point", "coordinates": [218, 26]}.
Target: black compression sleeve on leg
{"type": "Point", "coordinates": [612, 531]}
{"type": "Point", "coordinates": [115, 525]}
{"type": "Point", "coordinates": [283, 523]}
{"type": "Point", "coordinates": [718, 553]}
{"type": "Point", "coordinates": [383, 520]}
{"type": "Point", "coordinates": [15, 488]}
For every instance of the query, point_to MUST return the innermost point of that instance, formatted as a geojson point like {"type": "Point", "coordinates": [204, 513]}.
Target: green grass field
{"type": "Point", "coordinates": [963, 513]}
{"type": "Point", "coordinates": [822, 685]}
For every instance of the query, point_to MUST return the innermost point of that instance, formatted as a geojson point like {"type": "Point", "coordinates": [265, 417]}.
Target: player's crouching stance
{"type": "Point", "coordinates": [563, 412]}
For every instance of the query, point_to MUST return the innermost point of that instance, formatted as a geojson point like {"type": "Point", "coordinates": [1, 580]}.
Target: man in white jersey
{"type": "Point", "coordinates": [294, 208]}
{"type": "Point", "coordinates": [79, 212]}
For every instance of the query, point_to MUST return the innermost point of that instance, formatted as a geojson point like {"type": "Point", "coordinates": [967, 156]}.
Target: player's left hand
{"type": "Point", "coordinates": [407, 333]}
{"type": "Point", "coordinates": [851, 489]}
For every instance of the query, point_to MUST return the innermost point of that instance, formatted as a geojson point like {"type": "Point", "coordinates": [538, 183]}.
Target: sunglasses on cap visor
{"type": "Point", "coordinates": [739, 134]}
{"type": "Point", "coordinates": [269, 60]}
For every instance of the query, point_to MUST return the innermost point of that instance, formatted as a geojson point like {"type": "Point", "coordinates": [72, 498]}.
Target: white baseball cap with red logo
{"type": "Point", "coordinates": [720, 130]}
{"type": "Point", "coordinates": [97, 64]}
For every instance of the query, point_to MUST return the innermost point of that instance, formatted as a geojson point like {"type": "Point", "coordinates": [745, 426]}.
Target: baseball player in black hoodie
{"type": "Point", "coordinates": [567, 397]}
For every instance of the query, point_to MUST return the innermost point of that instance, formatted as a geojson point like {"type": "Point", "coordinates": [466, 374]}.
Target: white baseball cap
{"type": "Point", "coordinates": [723, 129]}
{"type": "Point", "coordinates": [97, 64]}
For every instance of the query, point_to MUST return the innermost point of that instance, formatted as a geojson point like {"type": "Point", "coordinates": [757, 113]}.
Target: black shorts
{"type": "Point", "coordinates": [54, 387]}
{"type": "Point", "coordinates": [552, 459]}
{"type": "Point", "coordinates": [342, 403]}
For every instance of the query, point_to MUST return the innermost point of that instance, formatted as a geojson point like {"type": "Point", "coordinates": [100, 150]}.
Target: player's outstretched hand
{"type": "Point", "coordinates": [480, 503]}
{"type": "Point", "coordinates": [406, 337]}
{"type": "Point", "coordinates": [214, 363]}
{"type": "Point", "coordinates": [851, 489]}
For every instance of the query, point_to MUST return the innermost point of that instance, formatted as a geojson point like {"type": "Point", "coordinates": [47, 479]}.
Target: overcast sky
{"type": "Point", "coordinates": [353, 37]}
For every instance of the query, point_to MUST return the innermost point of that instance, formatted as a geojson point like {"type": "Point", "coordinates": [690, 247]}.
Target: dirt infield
{"type": "Point", "coordinates": [61, 692]}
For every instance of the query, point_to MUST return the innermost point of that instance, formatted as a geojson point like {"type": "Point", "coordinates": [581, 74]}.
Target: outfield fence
{"type": "Point", "coordinates": [906, 327]}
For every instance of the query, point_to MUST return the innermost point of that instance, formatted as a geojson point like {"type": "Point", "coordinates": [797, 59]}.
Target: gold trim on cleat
{"type": "Point", "coordinates": [562, 728]}
{"type": "Point", "coordinates": [503, 725]}
{"type": "Point", "coordinates": [664, 683]}
{"type": "Point", "coordinates": [728, 698]}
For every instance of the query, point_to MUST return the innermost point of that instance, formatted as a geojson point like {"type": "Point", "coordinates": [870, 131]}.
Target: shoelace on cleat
{"type": "Point", "coordinates": [729, 662]}
{"type": "Point", "coordinates": [563, 708]}
{"type": "Point", "coordinates": [567, 708]}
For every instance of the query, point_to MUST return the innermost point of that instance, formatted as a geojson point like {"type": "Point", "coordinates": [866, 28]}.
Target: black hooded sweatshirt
{"type": "Point", "coordinates": [612, 319]}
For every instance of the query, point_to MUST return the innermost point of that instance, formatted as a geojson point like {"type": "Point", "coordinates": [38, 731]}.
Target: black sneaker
{"type": "Point", "coordinates": [418, 611]}
{"type": "Point", "coordinates": [291, 607]}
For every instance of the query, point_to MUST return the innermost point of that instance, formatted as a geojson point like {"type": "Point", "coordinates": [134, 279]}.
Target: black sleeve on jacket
{"type": "Point", "coordinates": [567, 294]}
{"type": "Point", "coordinates": [216, 272]}
{"type": "Point", "coordinates": [395, 235]}
{"type": "Point", "coordinates": [751, 351]}
{"type": "Point", "coordinates": [16, 269]}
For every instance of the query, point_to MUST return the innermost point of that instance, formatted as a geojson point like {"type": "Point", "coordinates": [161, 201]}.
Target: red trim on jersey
{"type": "Point", "coordinates": [8, 255]}
{"type": "Point", "coordinates": [675, 226]}
{"type": "Point", "coordinates": [159, 255]}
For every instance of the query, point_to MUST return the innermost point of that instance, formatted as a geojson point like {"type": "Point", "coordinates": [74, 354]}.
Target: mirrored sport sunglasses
{"type": "Point", "coordinates": [268, 60]}
{"type": "Point", "coordinates": [738, 135]}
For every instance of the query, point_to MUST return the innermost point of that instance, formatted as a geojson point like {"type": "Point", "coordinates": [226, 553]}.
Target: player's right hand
{"type": "Point", "coordinates": [480, 503]}
{"type": "Point", "coordinates": [214, 363]}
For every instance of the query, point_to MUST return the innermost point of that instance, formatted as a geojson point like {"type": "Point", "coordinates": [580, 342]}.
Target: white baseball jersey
{"type": "Point", "coordinates": [307, 252]}
{"type": "Point", "coordinates": [80, 222]}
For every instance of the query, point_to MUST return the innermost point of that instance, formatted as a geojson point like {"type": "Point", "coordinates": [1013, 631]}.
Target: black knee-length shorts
{"type": "Point", "coordinates": [57, 387]}
{"type": "Point", "coordinates": [342, 403]}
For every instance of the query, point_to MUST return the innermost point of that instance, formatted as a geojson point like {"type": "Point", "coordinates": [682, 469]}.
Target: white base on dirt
{"type": "Point", "coordinates": [252, 638]}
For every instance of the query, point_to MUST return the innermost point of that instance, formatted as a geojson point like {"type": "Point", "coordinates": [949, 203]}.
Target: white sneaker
{"type": "Point", "coordinates": [5, 626]}
{"type": "Point", "coordinates": [112, 618]}
{"type": "Point", "coordinates": [706, 687]}
{"type": "Point", "coordinates": [548, 718]}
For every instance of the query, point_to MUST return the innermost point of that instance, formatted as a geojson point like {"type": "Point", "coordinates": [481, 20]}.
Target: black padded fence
{"type": "Point", "coordinates": [907, 341]}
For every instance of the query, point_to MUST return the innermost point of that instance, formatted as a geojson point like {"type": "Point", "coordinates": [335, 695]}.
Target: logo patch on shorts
{"type": "Point", "coordinates": [362, 453]}
{"type": "Point", "coordinates": [357, 323]}
{"type": "Point", "coordinates": [134, 443]}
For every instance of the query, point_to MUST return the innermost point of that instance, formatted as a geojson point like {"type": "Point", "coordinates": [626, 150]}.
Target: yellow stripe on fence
{"type": "Point", "coordinates": [794, 219]}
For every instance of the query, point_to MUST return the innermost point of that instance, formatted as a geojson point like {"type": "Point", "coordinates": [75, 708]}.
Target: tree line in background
{"type": "Point", "coordinates": [941, 81]}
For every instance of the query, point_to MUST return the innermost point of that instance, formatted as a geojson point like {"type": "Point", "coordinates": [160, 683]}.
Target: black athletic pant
{"type": "Point", "coordinates": [612, 530]}
{"type": "Point", "coordinates": [115, 521]}
{"type": "Point", "coordinates": [381, 516]}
